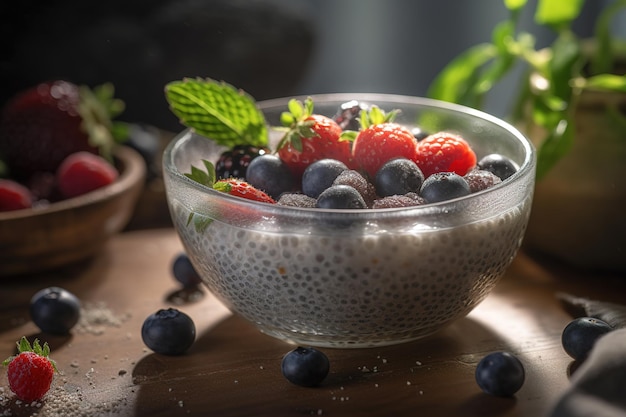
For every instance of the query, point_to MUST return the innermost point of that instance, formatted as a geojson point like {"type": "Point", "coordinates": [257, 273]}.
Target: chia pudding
{"type": "Point", "coordinates": [352, 278]}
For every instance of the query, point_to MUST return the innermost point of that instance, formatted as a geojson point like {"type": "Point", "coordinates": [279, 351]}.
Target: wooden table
{"type": "Point", "coordinates": [233, 370]}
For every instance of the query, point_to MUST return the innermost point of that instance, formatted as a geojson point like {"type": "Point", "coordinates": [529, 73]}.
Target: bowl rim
{"type": "Point", "coordinates": [134, 170]}
{"type": "Point", "coordinates": [527, 167]}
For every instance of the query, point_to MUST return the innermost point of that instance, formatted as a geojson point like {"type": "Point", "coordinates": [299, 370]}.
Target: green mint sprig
{"type": "Point", "coordinates": [218, 111]}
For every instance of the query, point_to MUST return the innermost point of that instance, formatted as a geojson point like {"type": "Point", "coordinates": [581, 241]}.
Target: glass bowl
{"type": "Point", "coordinates": [355, 278]}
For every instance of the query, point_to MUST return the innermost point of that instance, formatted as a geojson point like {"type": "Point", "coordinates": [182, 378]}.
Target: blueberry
{"type": "Point", "coordinates": [419, 134]}
{"type": "Point", "coordinates": [320, 175]}
{"type": "Point", "coordinates": [398, 177]}
{"type": "Point", "coordinates": [55, 310]}
{"type": "Point", "coordinates": [184, 271]}
{"type": "Point", "coordinates": [498, 164]}
{"type": "Point", "coordinates": [305, 366]}
{"type": "Point", "coordinates": [340, 197]}
{"type": "Point", "coordinates": [500, 374]}
{"type": "Point", "coordinates": [581, 334]}
{"type": "Point", "coordinates": [442, 186]}
{"type": "Point", "coordinates": [270, 174]}
{"type": "Point", "coordinates": [168, 332]}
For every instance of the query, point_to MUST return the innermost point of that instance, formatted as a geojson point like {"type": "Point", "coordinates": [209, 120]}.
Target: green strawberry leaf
{"type": "Point", "coordinates": [205, 177]}
{"type": "Point", "coordinates": [217, 111]}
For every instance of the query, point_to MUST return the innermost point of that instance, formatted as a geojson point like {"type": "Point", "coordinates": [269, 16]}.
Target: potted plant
{"type": "Point", "coordinates": [572, 104]}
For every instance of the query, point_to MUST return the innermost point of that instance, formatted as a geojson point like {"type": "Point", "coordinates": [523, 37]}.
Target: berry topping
{"type": "Point", "coordinates": [398, 176]}
{"type": "Point", "coordinates": [397, 201]}
{"type": "Point", "coordinates": [444, 152]}
{"type": "Point", "coordinates": [14, 196]}
{"type": "Point", "coordinates": [82, 172]}
{"type": "Point", "coordinates": [168, 332]}
{"type": "Point", "coordinates": [443, 186]}
{"type": "Point", "coordinates": [320, 175]}
{"type": "Point", "coordinates": [30, 373]}
{"type": "Point", "coordinates": [500, 373]}
{"type": "Point", "coordinates": [479, 180]}
{"type": "Point", "coordinates": [270, 174]}
{"type": "Point", "coordinates": [340, 197]}
{"type": "Point", "coordinates": [499, 165]}
{"type": "Point", "coordinates": [357, 181]}
{"type": "Point", "coordinates": [306, 367]}
{"type": "Point", "coordinates": [184, 271]}
{"type": "Point", "coordinates": [581, 334]}
{"type": "Point", "coordinates": [55, 310]}
{"type": "Point", "coordinates": [234, 162]}
{"type": "Point", "coordinates": [296, 200]}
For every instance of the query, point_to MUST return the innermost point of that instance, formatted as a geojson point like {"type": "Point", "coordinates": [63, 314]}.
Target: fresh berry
{"type": "Point", "coordinates": [347, 115]}
{"type": "Point", "coordinates": [479, 180]}
{"type": "Point", "coordinates": [357, 181]}
{"type": "Point", "coordinates": [419, 134]}
{"type": "Point", "coordinates": [269, 173]}
{"type": "Point", "coordinates": [581, 334]}
{"type": "Point", "coordinates": [310, 137]}
{"type": "Point", "coordinates": [381, 140]}
{"type": "Point", "coordinates": [168, 332]}
{"type": "Point", "coordinates": [443, 186]}
{"type": "Point", "coordinates": [184, 271]}
{"type": "Point", "coordinates": [305, 366]}
{"type": "Point", "coordinates": [398, 176]}
{"type": "Point", "coordinates": [54, 310]}
{"type": "Point", "coordinates": [498, 164]}
{"type": "Point", "coordinates": [320, 175]}
{"type": "Point", "coordinates": [82, 172]}
{"type": "Point", "coordinates": [14, 196]}
{"type": "Point", "coordinates": [296, 200]}
{"type": "Point", "coordinates": [30, 373]}
{"type": "Point", "coordinates": [500, 373]}
{"type": "Point", "coordinates": [340, 197]}
{"type": "Point", "coordinates": [43, 125]}
{"type": "Point", "coordinates": [234, 162]}
{"type": "Point", "coordinates": [398, 201]}
{"type": "Point", "coordinates": [444, 152]}
{"type": "Point", "coordinates": [232, 186]}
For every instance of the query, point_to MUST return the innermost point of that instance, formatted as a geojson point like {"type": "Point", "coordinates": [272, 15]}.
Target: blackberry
{"type": "Point", "coordinates": [234, 162]}
{"type": "Point", "coordinates": [480, 179]}
{"type": "Point", "coordinates": [347, 115]}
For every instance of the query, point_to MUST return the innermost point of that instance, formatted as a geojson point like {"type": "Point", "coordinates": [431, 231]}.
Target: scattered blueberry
{"type": "Point", "coordinates": [500, 373]}
{"type": "Point", "coordinates": [398, 177]}
{"type": "Point", "coordinates": [168, 332]}
{"type": "Point", "coordinates": [347, 115]}
{"type": "Point", "coordinates": [305, 366]}
{"type": "Point", "coordinates": [581, 334]}
{"type": "Point", "coordinates": [270, 174]}
{"type": "Point", "coordinates": [320, 175]}
{"type": "Point", "coordinates": [54, 310]}
{"type": "Point", "coordinates": [340, 197]}
{"type": "Point", "coordinates": [234, 162]}
{"type": "Point", "coordinates": [184, 271]}
{"type": "Point", "coordinates": [498, 164]}
{"type": "Point", "coordinates": [442, 186]}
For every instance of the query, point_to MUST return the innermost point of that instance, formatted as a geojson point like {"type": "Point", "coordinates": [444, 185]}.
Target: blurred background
{"type": "Point", "coordinates": [270, 48]}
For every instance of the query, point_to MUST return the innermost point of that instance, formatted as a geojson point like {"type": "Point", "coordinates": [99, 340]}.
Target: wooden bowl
{"type": "Point", "coordinates": [72, 230]}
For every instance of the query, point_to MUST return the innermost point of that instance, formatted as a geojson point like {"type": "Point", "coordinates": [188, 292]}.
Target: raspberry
{"type": "Point", "coordinates": [444, 152]}
{"type": "Point", "coordinates": [14, 196]}
{"type": "Point", "coordinates": [82, 172]}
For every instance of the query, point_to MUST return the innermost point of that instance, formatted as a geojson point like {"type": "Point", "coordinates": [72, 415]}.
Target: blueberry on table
{"type": "Point", "coordinates": [500, 373]}
{"type": "Point", "coordinates": [581, 334]}
{"type": "Point", "coordinates": [305, 366]}
{"type": "Point", "coordinates": [398, 177]}
{"type": "Point", "coordinates": [498, 164]}
{"type": "Point", "coordinates": [184, 271]}
{"type": "Point", "coordinates": [320, 175]}
{"type": "Point", "coordinates": [168, 332]}
{"type": "Point", "coordinates": [270, 174]}
{"type": "Point", "coordinates": [442, 186]}
{"type": "Point", "coordinates": [54, 310]}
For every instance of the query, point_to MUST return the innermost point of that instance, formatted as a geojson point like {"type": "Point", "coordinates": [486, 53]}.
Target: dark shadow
{"type": "Point", "coordinates": [486, 405]}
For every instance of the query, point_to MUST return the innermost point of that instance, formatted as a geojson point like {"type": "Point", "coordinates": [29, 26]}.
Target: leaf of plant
{"type": "Point", "coordinates": [203, 177]}
{"type": "Point", "coordinates": [558, 14]}
{"type": "Point", "coordinates": [566, 61]}
{"type": "Point", "coordinates": [515, 5]}
{"type": "Point", "coordinates": [607, 82]}
{"type": "Point", "coordinates": [602, 59]}
{"type": "Point", "coordinates": [217, 111]}
{"type": "Point", "coordinates": [502, 36]}
{"type": "Point", "coordinates": [554, 147]}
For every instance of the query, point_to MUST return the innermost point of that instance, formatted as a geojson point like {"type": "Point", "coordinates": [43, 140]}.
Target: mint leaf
{"type": "Point", "coordinates": [217, 111]}
{"type": "Point", "coordinates": [203, 177]}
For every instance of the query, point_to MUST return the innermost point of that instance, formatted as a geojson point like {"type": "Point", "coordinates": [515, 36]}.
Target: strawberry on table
{"type": "Point", "coordinates": [30, 373]}
{"type": "Point", "coordinates": [82, 172]}
{"type": "Point", "coordinates": [381, 140]}
{"type": "Point", "coordinates": [311, 137]}
{"type": "Point", "coordinates": [14, 196]}
{"type": "Point", "coordinates": [444, 152]}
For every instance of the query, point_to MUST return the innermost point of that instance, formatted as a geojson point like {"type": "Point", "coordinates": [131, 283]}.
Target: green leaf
{"type": "Point", "coordinates": [515, 5]}
{"type": "Point", "coordinates": [217, 111]}
{"type": "Point", "coordinates": [554, 147]}
{"type": "Point", "coordinates": [602, 59]}
{"type": "Point", "coordinates": [606, 82]}
{"type": "Point", "coordinates": [502, 38]}
{"type": "Point", "coordinates": [203, 177]}
{"type": "Point", "coordinates": [566, 61]}
{"type": "Point", "coordinates": [557, 14]}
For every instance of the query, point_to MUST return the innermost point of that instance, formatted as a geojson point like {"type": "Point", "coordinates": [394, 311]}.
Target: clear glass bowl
{"type": "Point", "coordinates": [355, 278]}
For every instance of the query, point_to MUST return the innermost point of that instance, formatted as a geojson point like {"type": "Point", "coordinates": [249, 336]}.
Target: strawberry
{"type": "Point", "coordinates": [44, 124]}
{"type": "Point", "coordinates": [30, 373]}
{"type": "Point", "coordinates": [232, 186]}
{"type": "Point", "coordinates": [14, 196]}
{"type": "Point", "coordinates": [82, 172]}
{"type": "Point", "coordinates": [381, 140]}
{"type": "Point", "coordinates": [444, 152]}
{"type": "Point", "coordinates": [310, 137]}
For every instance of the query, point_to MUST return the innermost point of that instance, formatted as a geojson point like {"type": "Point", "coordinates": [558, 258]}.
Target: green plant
{"type": "Point", "coordinates": [566, 68]}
